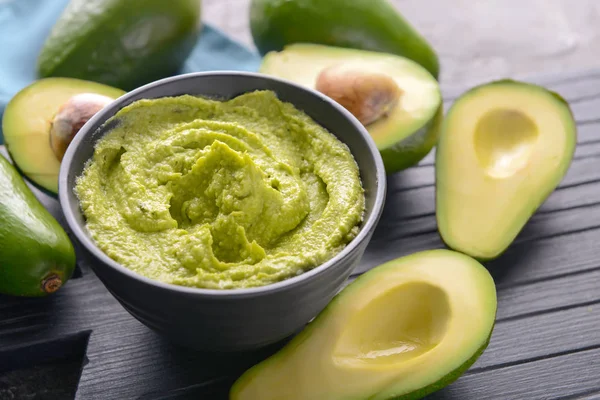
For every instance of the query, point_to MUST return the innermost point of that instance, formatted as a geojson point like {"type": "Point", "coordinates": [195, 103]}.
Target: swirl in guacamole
{"type": "Point", "coordinates": [220, 194]}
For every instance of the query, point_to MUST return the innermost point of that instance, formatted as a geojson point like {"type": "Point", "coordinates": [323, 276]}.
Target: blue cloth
{"type": "Point", "coordinates": [25, 24]}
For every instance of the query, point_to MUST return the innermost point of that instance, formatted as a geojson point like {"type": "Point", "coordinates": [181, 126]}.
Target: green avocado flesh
{"type": "Point", "coordinates": [504, 148]}
{"type": "Point", "coordinates": [220, 194]}
{"type": "Point", "coordinates": [373, 25]}
{"type": "Point", "coordinates": [408, 131]}
{"type": "Point", "coordinates": [121, 43]}
{"type": "Point", "coordinates": [401, 331]}
{"type": "Point", "coordinates": [26, 125]}
{"type": "Point", "coordinates": [36, 255]}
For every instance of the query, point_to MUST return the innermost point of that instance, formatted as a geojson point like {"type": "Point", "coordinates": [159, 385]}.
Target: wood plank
{"type": "Point", "coordinates": [533, 337]}
{"type": "Point", "coordinates": [544, 379]}
{"type": "Point", "coordinates": [538, 336]}
{"type": "Point", "coordinates": [423, 222]}
{"type": "Point", "coordinates": [154, 366]}
{"type": "Point", "coordinates": [580, 86]}
{"type": "Point", "coordinates": [588, 132]}
{"type": "Point", "coordinates": [552, 294]}
{"type": "Point", "coordinates": [80, 303]}
{"type": "Point", "coordinates": [387, 245]}
{"type": "Point", "coordinates": [577, 216]}
{"type": "Point", "coordinates": [586, 111]}
{"type": "Point", "coordinates": [583, 169]}
{"type": "Point", "coordinates": [545, 259]}
{"type": "Point", "coordinates": [589, 150]}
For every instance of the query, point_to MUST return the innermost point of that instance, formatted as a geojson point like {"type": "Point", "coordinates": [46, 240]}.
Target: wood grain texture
{"type": "Point", "coordinates": [568, 376]}
{"type": "Point", "coordinates": [546, 344]}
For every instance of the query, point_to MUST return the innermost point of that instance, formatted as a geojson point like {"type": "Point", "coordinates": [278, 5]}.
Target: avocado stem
{"type": "Point", "coordinates": [51, 283]}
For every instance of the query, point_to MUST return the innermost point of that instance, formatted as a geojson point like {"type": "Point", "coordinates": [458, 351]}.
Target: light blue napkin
{"type": "Point", "coordinates": [24, 25]}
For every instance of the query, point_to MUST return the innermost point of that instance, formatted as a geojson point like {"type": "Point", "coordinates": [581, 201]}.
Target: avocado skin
{"type": "Point", "coordinates": [33, 246]}
{"type": "Point", "coordinates": [121, 43]}
{"type": "Point", "coordinates": [412, 149]}
{"type": "Point", "coordinates": [360, 24]}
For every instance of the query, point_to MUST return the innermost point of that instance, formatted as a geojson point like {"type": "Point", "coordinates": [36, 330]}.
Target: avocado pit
{"type": "Point", "coordinates": [368, 95]}
{"type": "Point", "coordinates": [71, 116]}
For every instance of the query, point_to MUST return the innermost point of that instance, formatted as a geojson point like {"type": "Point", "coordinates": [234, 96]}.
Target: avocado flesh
{"type": "Point", "coordinates": [374, 25]}
{"type": "Point", "coordinates": [409, 131]}
{"type": "Point", "coordinates": [121, 43]}
{"type": "Point", "coordinates": [33, 246]}
{"type": "Point", "coordinates": [401, 331]}
{"type": "Point", "coordinates": [26, 125]}
{"type": "Point", "coordinates": [505, 147]}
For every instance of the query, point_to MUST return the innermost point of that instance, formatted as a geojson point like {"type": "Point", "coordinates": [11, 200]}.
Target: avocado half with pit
{"type": "Point", "coordinates": [401, 331]}
{"type": "Point", "coordinates": [397, 100]}
{"type": "Point", "coordinates": [504, 148]}
{"type": "Point", "coordinates": [40, 121]}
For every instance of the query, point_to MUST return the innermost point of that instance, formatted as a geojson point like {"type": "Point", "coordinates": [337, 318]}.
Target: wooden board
{"type": "Point", "coordinates": [546, 344]}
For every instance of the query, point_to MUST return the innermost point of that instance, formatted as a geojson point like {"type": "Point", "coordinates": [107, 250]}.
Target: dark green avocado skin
{"type": "Point", "coordinates": [360, 24]}
{"type": "Point", "coordinates": [121, 43]}
{"type": "Point", "coordinates": [33, 246]}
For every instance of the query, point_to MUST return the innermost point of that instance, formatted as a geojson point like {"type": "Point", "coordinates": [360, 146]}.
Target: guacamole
{"type": "Point", "coordinates": [220, 194]}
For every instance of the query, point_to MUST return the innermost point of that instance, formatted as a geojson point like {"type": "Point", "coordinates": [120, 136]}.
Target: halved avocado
{"type": "Point", "coordinates": [504, 148]}
{"type": "Point", "coordinates": [401, 331]}
{"type": "Point", "coordinates": [401, 97]}
{"type": "Point", "coordinates": [28, 120]}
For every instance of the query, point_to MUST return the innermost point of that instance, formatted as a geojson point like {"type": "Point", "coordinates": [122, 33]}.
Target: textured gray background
{"type": "Point", "coordinates": [478, 40]}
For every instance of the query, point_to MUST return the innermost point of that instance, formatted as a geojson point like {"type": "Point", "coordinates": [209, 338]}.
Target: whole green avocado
{"type": "Point", "coordinates": [121, 43]}
{"type": "Point", "coordinates": [360, 24]}
{"type": "Point", "coordinates": [36, 255]}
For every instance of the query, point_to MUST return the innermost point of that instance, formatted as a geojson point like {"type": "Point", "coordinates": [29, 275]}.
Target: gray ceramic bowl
{"type": "Point", "coordinates": [228, 320]}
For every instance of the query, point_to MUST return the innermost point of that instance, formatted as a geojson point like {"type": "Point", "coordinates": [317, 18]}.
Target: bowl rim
{"type": "Point", "coordinates": [367, 226]}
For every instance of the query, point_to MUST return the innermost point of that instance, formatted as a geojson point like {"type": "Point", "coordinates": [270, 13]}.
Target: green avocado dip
{"type": "Point", "coordinates": [222, 195]}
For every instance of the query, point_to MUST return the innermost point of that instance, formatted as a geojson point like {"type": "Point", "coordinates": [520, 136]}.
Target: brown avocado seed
{"type": "Point", "coordinates": [368, 95]}
{"type": "Point", "coordinates": [71, 116]}
{"type": "Point", "coordinates": [51, 283]}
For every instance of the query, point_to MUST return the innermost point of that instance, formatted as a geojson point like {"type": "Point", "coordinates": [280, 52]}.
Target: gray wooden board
{"type": "Point", "coordinates": [546, 344]}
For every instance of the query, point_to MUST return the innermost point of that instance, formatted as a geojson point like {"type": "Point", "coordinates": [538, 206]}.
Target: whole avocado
{"type": "Point", "coordinates": [121, 43]}
{"type": "Point", "coordinates": [361, 24]}
{"type": "Point", "coordinates": [36, 255]}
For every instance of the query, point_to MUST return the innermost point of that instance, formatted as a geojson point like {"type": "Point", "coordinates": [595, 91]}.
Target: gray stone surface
{"type": "Point", "coordinates": [478, 40]}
